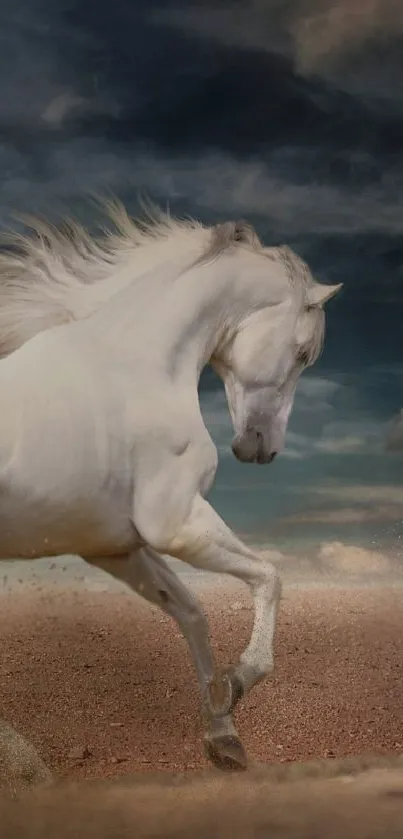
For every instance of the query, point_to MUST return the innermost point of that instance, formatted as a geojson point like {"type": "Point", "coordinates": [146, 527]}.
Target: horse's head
{"type": "Point", "coordinates": [261, 362]}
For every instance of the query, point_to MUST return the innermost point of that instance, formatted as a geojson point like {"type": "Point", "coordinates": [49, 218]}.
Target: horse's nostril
{"type": "Point", "coordinates": [272, 456]}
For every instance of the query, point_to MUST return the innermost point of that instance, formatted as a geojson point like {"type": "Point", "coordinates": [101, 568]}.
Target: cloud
{"type": "Point", "coordinates": [316, 427]}
{"type": "Point", "coordinates": [317, 387]}
{"type": "Point", "coordinates": [355, 435]}
{"type": "Point", "coordinates": [362, 493]}
{"type": "Point", "coordinates": [68, 105]}
{"type": "Point", "coordinates": [214, 185]}
{"type": "Point", "coordinates": [219, 182]}
{"type": "Point", "coordinates": [61, 106]}
{"type": "Point", "coordinates": [334, 559]}
{"type": "Point", "coordinates": [333, 443]}
{"type": "Point", "coordinates": [323, 37]}
{"type": "Point", "coordinates": [347, 515]}
{"type": "Point", "coordinates": [297, 446]}
{"type": "Point", "coordinates": [39, 172]}
{"type": "Point", "coordinates": [340, 445]}
{"type": "Point", "coordinates": [293, 454]}
{"type": "Point", "coordinates": [341, 414]}
{"type": "Point", "coordinates": [326, 33]}
{"type": "Point", "coordinates": [341, 504]}
{"type": "Point", "coordinates": [315, 393]}
{"type": "Point", "coordinates": [394, 436]}
{"type": "Point", "coordinates": [352, 559]}
{"type": "Point", "coordinates": [41, 79]}
{"type": "Point", "coordinates": [313, 397]}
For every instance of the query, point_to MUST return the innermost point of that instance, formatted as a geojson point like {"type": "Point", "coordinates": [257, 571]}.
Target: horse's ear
{"type": "Point", "coordinates": [318, 294]}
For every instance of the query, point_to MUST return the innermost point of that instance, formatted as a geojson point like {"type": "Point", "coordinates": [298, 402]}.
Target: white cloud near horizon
{"type": "Point", "coordinates": [346, 515]}
{"type": "Point", "coordinates": [371, 494]}
{"type": "Point", "coordinates": [336, 557]}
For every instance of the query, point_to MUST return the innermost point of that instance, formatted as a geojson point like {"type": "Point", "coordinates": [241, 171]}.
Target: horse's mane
{"type": "Point", "coordinates": [53, 274]}
{"type": "Point", "coordinates": [86, 257]}
{"type": "Point", "coordinates": [44, 272]}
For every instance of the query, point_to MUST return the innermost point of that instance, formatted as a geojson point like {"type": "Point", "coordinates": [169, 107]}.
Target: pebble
{"type": "Point", "coordinates": [79, 753]}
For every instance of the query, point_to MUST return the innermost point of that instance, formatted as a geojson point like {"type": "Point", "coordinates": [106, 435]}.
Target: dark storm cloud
{"type": "Point", "coordinates": [345, 41]}
{"type": "Point", "coordinates": [201, 105]}
{"type": "Point", "coordinates": [223, 110]}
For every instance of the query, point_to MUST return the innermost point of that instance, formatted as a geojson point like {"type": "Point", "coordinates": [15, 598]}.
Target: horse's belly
{"type": "Point", "coordinates": [29, 530]}
{"type": "Point", "coordinates": [63, 490]}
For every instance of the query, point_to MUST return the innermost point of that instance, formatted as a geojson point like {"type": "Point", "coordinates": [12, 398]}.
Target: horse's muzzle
{"type": "Point", "coordinates": [251, 448]}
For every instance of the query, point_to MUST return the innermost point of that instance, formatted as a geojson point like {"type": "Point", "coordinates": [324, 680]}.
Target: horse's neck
{"type": "Point", "coordinates": [135, 262]}
{"type": "Point", "coordinates": [172, 317]}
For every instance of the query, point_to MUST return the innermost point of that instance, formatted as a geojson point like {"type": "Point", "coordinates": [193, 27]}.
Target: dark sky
{"type": "Point", "coordinates": [288, 114]}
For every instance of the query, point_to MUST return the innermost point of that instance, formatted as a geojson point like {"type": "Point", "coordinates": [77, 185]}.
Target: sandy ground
{"type": "Point", "coordinates": [102, 684]}
{"type": "Point", "coordinates": [362, 805]}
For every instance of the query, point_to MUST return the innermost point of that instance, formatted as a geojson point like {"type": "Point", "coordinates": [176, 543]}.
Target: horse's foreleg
{"type": "Point", "coordinates": [149, 575]}
{"type": "Point", "coordinates": [205, 541]}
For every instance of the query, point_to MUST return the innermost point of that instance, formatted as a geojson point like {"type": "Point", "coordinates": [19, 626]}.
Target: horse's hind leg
{"type": "Point", "coordinates": [148, 574]}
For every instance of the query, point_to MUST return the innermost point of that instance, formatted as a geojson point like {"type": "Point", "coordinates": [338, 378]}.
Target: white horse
{"type": "Point", "coordinates": [103, 449]}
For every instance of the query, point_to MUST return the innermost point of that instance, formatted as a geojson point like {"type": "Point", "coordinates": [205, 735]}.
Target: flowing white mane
{"type": "Point", "coordinates": [53, 275]}
{"type": "Point", "coordinates": [56, 274]}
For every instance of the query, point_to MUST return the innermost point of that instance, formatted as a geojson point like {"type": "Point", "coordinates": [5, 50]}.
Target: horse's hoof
{"type": "Point", "coordinates": [225, 691]}
{"type": "Point", "coordinates": [226, 753]}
